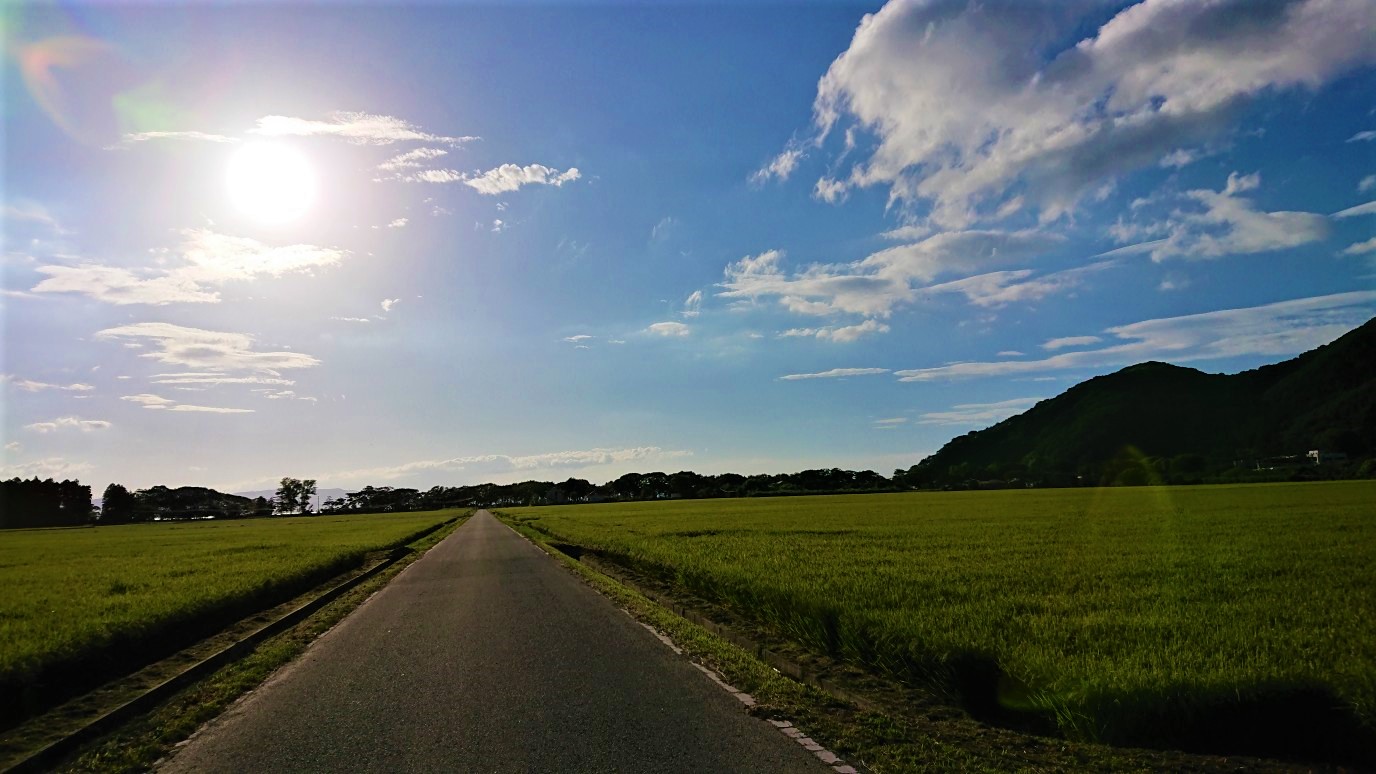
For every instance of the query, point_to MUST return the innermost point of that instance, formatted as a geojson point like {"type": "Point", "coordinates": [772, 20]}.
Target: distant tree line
{"type": "Point", "coordinates": [46, 503]}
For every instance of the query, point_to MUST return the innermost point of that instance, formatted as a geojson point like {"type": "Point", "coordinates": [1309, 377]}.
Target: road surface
{"type": "Point", "coordinates": [486, 655]}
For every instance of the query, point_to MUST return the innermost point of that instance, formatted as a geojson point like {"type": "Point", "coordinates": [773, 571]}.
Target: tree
{"type": "Point", "coordinates": [117, 506]}
{"type": "Point", "coordinates": [304, 492]}
{"type": "Point", "coordinates": [287, 498]}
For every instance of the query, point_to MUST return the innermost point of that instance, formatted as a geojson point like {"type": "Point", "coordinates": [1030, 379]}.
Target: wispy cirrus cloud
{"type": "Point", "coordinates": [209, 259]}
{"type": "Point", "coordinates": [1070, 341]}
{"type": "Point", "coordinates": [1279, 329]}
{"type": "Point", "coordinates": [137, 137]}
{"type": "Point", "coordinates": [48, 467]}
{"type": "Point", "coordinates": [835, 373]}
{"type": "Point", "coordinates": [841, 334]}
{"type": "Point", "coordinates": [356, 127]}
{"type": "Point", "coordinates": [412, 159]}
{"type": "Point", "coordinates": [29, 385]}
{"type": "Point", "coordinates": [497, 463]}
{"type": "Point", "coordinates": [1224, 223]}
{"type": "Point", "coordinates": [69, 423]}
{"type": "Point", "coordinates": [978, 414]}
{"type": "Point", "coordinates": [159, 403]}
{"type": "Point", "coordinates": [204, 350]}
{"type": "Point", "coordinates": [1058, 116]}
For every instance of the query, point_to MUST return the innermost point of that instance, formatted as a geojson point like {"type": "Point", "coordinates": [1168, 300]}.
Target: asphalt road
{"type": "Point", "coordinates": [486, 655]}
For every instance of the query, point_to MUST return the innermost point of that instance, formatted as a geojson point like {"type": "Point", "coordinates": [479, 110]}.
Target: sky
{"type": "Point", "coordinates": [414, 245]}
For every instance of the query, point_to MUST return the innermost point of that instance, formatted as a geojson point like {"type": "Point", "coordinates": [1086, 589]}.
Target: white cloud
{"type": "Point", "coordinates": [1362, 209]}
{"type": "Point", "coordinates": [285, 395]}
{"type": "Point", "coordinates": [362, 128]}
{"type": "Point", "coordinates": [122, 286]}
{"type": "Point", "coordinates": [29, 385]}
{"type": "Point", "coordinates": [48, 467]}
{"type": "Point", "coordinates": [872, 287]}
{"type": "Point", "coordinates": [352, 319]}
{"type": "Point", "coordinates": [435, 176]}
{"type": "Point", "coordinates": [1365, 136]}
{"type": "Point", "coordinates": [1231, 225]}
{"type": "Point", "coordinates": [577, 338]}
{"type": "Point", "coordinates": [668, 329]}
{"type": "Point", "coordinates": [842, 333]}
{"type": "Point", "coordinates": [159, 403]}
{"type": "Point", "coordinates": [209, 409]}
{"type": "Point", "coordinates": [692, 306]}
{"type": "Point", "coordinates": [980, 414]}
{"type": "Point", "coordinates": [779, 167]}
{"type": "Point", "coordinates": [1366, 184]}
{"type": "Point", "coordinates": [1000, 288]}
{"type": "Point", "coordinates": [389, 303]}
{"type": "Point", "coordinates": [411, 159]}
{"type": "Point", "coordinates": [76, 423]}
{"type": "Point", "coordinates": [13, 446]}
{"type": "Point", "coordinates": [28, 212]}
{"type": "Point", "coordinates": [510, 177]}
{"type": "Point", "coordinates": [1181, 157]}
{"type": "Point", "coordinates": [496, 463]}
{"type": "Point", "coordinates": [1279, 329]}
{"type": "Point", "coordinates": [835, 373]}
{"type": "Point", "coordinates": [1361, 248]}
{"type": "Point", "coordinates": [971, 103]}
{"type": "Point", "coordinates": [1071, 341]}
{"type": "Point", "coordinates": [207, 350]}
{"type": "Point", "coordinates": [908, 233]}
{"type": "Point", "coordinates": [398, 223]}
{"type": "Point", "coordinates": [214, 257]}
{"type": "Point", "coordinates": [1009, 353]}
{"type": "Point", "coordinates": [137, 137]}
{"type": "Point", "coordinates": [213, 379]}
{"type": "Point", "coordinates": [209, 259]}
{"type": "Point", "coordinates": [149, 401]}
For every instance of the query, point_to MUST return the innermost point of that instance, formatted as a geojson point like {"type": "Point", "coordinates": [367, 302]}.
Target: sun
{"type": "Point", "coordinates": [270, 183]}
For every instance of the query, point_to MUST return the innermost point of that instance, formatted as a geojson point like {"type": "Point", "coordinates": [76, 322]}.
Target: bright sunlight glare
{"type": "Point", "coordinates": [270, 183]}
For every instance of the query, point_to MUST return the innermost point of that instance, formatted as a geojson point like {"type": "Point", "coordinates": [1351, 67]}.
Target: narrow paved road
{"type": "Point", "coordinates": [485, 655]}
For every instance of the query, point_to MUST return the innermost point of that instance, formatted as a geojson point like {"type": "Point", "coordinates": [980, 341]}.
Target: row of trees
{"type": "Point", "coordinates": [44, 503]}
{"type": "Point", "coordinates": [631, 486]}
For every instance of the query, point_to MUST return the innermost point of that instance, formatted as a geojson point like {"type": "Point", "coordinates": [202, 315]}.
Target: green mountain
{"type": "Point", "coordinates": [1178, 423]}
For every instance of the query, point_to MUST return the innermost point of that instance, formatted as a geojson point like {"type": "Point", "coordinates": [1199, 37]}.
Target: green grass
{"type": "Point", "coordinates": [81, 604]}
{"type": "Point", "coordinates": [1230, 618]}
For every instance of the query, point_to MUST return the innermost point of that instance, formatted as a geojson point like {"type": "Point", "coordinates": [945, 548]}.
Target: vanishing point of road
{"type": "Point", "coordinates": [486, 655]}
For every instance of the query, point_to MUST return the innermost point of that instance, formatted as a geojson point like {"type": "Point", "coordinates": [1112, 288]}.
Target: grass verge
{"type": "Point", "coordinates": [926, 737]}
{"type": "Point", "coordinates": [138, 745]}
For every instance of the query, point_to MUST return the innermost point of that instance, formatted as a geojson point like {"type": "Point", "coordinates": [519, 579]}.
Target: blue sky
{"type": "Point", "coordinates": [444, 244]}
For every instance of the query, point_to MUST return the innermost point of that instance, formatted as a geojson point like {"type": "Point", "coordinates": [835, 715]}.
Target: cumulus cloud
{"type": "Point", "coordinates": [1279, 329]}
{"type": "Point", "coordinates": [978, 414]}
{"type": "Point", "coordinates": [29, 385]}
{"type": "Point", "coordinates": [208, 259]}
{"type": "Point", "coordinates": [398, 223]}
{"type": "Point", "coordinates": [510, 177]}
{"type": "Point", "coordinates": [72, 423]}
{"type": "Point", "coordinates": [668, 329]}
{"type": "Point", "coordinates": [361, 128]}
{"type": "Point", "coordinates": [497, 463]}
{"type": "Point", "coordinates": [212, 351]}
{"type": "Point", "coordinates": [973, 103]}
{"type": "Point", "coordinates": [389, 303]}
{"type": "Point", "coordinates": [874, 286]}
{"type": "Point", "coordinates": [838, 333]}
{"type": "Point", "coordinates": [835, 373]}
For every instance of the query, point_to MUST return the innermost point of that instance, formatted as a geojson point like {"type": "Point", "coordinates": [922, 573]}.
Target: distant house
{"type": "Point", "coordinates": [1321, 457]}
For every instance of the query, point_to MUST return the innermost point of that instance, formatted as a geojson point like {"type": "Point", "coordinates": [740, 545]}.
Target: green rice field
{"type": "Point", "coordinates": [81, 602]}
{"type": "Point", "coordinates": [1219, 618]}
